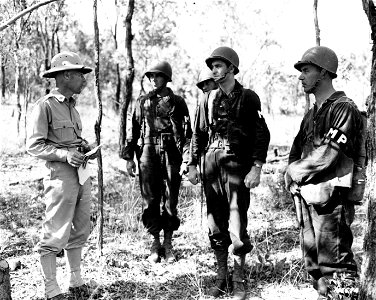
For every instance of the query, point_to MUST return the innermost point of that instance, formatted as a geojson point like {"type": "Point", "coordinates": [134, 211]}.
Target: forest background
{"type": "Point", "coordinates": [269, 36]}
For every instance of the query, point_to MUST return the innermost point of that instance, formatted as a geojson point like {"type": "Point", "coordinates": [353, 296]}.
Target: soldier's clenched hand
{"type": "Point", "coordinates": [253, 177]}
{"type": "Point", "coordinates": [131, 167]}
{"type": "Point", "coordinates": [75, 158]}
{"type": "Point", "coordinates": [193, 175]}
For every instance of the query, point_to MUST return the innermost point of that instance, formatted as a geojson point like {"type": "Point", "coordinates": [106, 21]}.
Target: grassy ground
{"type": "Point", "coordinates": [274, 268]}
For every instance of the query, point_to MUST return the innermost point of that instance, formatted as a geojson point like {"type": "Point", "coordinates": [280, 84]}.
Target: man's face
{"type": "Point", "coordinates": [157, 80]}
{"type": "Point", "coordinates": [309, 76]}
{"type": "Point", "coordinates": [76, 82]}
{"type": "Point", "coordinates": [208, 85]}
{"type": "Point", "coordinates": [220, 70]}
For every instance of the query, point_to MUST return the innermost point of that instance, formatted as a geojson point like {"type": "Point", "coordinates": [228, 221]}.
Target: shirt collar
{"type": "Point", "coordinates": [236, 90]}
{"type": "Point", "coordinates": [336, 95]}
{"type": "Point", "coordinates": [333, 97]}
{"type": "Point", "coordinates": [61, 98]}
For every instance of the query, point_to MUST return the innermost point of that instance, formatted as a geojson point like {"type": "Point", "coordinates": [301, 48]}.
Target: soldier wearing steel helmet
{"type": "Point", "coordinates": [54, 135]}
{"type": "Point", "coordinates": [158, 132]}
{"type": "Point", "coordinates": [234, 137]}
{"type": "Point", "coordinates": [322, 152]}
{"type": "Point", "coordinates": [206, 81]}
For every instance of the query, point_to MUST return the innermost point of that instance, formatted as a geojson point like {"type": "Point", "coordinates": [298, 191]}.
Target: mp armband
{"type": "Point", "coordinates": [337, 137]}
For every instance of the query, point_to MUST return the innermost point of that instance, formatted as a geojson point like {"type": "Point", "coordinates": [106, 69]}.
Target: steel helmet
{"type": "Point", "coordinates": [224, 53]}
{"type": "Point", "coordinates": [205, 74]}
{"type": "Point", "coordinates": [321, 56]}
{"type": "Point", "coordinates": [161, 67]}
{"type": "Point", "coordinates": [65, 61]}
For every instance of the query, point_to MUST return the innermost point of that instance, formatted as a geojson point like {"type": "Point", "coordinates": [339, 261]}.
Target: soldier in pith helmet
{"type": "Point", "coordinates": [55, 135]}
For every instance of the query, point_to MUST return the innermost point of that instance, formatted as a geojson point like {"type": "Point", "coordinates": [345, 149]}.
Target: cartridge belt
{"type": "Point", "coordinates": [158, 140]}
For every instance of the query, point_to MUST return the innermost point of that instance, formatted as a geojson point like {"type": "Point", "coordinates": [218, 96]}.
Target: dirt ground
{"type": "Point", "coordinates": [274, 269]}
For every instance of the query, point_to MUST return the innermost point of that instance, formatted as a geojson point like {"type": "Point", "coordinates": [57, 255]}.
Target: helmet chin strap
{"type": "Point", "coordinates": [313, 88]}
{"type": "Point", "coordinates": [222, 77]}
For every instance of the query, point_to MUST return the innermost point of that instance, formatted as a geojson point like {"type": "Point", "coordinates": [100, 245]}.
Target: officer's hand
{"type": "Point", "coordinates": [75, 158]}
{"type": "Point", "coordinates": [193, 175]}
{"type": "Point", "coordinates": [131, 167]}
{"type": "Point", "coordinates": [253, 178]}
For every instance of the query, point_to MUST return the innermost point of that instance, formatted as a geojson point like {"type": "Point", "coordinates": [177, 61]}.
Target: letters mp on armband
{"type": "Point", "coordinates": [337, 136]}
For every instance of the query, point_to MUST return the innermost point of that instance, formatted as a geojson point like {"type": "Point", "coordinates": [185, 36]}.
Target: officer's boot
{"type": "Point", "coordinates": [221, 279]}
{"type": "Point", "coordinates": [238, 278]}
{"type": "Point", "coordinates": [154, 250]}
{"type": "Point", "coordinates": [167, 245]}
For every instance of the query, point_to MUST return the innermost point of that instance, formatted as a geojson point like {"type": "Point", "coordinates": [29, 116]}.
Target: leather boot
{"type": "Point", "coordinates": [238, 278]}
{"type": "Point", "coordinates": [154, 250]}
{"type": "Point", "coordinates": [221, 279]}
{"type": "Point", "coordinates": [167, 246]}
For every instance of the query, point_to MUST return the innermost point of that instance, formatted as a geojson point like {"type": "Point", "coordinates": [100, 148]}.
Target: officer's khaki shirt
{"type": "Point", "coordinates": [54, 127]}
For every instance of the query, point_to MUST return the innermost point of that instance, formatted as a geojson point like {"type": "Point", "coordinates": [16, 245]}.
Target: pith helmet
{"type": "Point", "coordinates": [224, 53]}
{"type": "Point", "coordinates": [205, 74]}
{"type": "Point", "coordinates": [321, 56]}
{"type": "Point", "coordinates": [161, 67]}
{"type": "Point", "coordinates": [66, 61]}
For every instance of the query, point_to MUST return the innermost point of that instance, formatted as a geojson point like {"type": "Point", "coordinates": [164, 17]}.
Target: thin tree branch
{"type": "Point", "coordinates": [24, 12]}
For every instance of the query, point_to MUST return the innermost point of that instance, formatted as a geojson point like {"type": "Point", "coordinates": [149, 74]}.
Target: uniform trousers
{"type": "Point", "coordinates": [327, 237]}
{"type": "Point", "coordinates": [160, 183]}
{"type": "Point", "coordinates": [227, 200]}
{"type": "Point", "coordinates": [67, 215]}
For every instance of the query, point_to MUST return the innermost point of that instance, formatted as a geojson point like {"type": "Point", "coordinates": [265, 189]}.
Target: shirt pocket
{"type": "Point", "coordinates": [64, 130]}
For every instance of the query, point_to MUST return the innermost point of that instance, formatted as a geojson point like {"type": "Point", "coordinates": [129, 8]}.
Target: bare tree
{"type": "Point", "coordinates": [97, 128]}
{"type": "Point", "coordinates": [116, 104]}
{"type": "Point", "coordinates": [317, 31]}
{"type": "Point", "coordinates": [129, 77]}
{"type": "Point", "coordinates": [368, 274]}
{"type": "Point", "coordinates": [316, 20]}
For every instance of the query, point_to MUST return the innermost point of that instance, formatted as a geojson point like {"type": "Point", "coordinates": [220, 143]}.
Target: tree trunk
{"type": "Point", "coordinates": [129, 77]}
{"type": "Point", "coordinates": [97, 129]}
{"type": "Point", "coordinates": [367, 289]}
{"type": "Point", "coordinates": [317, 31]}
{"type": "Point", "coordinates": [316, 21]}
{"type": "Point", "coordinates": [5, 292]}
{"type": "Point", "coordinates": [17, 90]}
{"type": "Point", "coordinates": [116, 104]}
{"type": "Point", "coordinates": [2, 79]}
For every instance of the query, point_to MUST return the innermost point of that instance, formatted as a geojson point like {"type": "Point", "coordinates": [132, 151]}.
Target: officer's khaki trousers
{"type": "Point", "coordinates": [67, 216]}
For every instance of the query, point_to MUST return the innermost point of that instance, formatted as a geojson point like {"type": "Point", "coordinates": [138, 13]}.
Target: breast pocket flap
{"type": "Point", "coordinates": [62, 124]}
